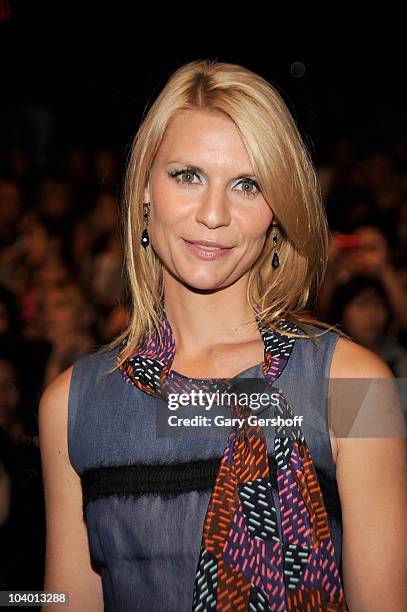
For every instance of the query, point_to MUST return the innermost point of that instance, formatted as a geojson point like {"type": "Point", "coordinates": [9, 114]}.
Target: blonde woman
{"type": "Point", "coordinates": [225, 242]}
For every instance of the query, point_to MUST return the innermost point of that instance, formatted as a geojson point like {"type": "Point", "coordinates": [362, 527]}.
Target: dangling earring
{"type": "Point", "coordinates": [275, 261]}
{"type": "Point", "coordinates": [145, 238]}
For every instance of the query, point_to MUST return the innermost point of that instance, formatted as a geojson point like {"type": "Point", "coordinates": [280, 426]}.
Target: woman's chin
{"type": "Point", "coordinates": [203, 276]}
{"type": "Point", "coordinates": [198, 282]}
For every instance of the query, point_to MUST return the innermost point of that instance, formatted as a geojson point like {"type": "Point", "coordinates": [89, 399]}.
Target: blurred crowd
{"type": "Point", "coordinates": [62, 294]}
{"type": "Point", "coordinates": [365, 287]}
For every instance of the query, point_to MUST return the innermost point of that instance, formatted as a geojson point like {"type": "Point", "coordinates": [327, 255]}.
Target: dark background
{"type": "Point", "coordinates": [96, 66]}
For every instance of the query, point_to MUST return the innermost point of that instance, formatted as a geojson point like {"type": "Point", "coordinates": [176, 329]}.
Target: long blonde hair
{"type": "Point", "coordinates": [287, 179]}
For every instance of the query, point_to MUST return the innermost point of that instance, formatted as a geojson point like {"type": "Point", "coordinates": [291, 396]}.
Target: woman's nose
{"type": "Point", "coordinates": [214, 208]}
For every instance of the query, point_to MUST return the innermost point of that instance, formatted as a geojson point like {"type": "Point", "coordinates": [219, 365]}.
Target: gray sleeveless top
{"type": "Point", "coordinates": [145, 496]}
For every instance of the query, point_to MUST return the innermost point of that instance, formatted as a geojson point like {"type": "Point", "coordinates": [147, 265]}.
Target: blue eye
{"type": "Point", "coordinates": [181, 172]}
{"type": "Point", "coordinates": [190, 172]}
{"type": "Point", "coordinates": [250, 183]}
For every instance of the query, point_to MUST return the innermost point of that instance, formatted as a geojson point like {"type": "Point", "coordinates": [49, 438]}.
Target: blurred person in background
{"type": "Point", "coordinates": [98, 252]}
{"type": "Point", "coordinates": [96, 231]}
{"type": "Point", "coordinates": [13, 345]}
{"type": "Point", "coordinates": [362, 307]}
{"type": "Point", "coordinates": [105, 265]}
{"type": "Point", "coordinates": [366, 253]}
{"type": "Point", "coordinates": [54, 199]}
{"type": "Point", "coordinates": [67, 323]}
{"type": "Point", "coordinates": [373, 257]}
{"type": "Point", "coordinates": [46, 259]}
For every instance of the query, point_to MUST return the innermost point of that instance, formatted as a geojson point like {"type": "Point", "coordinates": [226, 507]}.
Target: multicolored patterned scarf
{"type": "Point", "coordinates": [246, 561]}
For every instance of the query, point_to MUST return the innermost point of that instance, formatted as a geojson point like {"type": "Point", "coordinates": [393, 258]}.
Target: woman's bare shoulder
{"type": "Point", "coordinates": [61, 382]}
{"type": "Point", "coordinates": [53, 405]}
{"type": "Point", "coordinates": [352, 360]}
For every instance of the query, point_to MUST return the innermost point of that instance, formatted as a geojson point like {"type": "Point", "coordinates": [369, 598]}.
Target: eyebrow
{"type": "Point", "coordinates": [193, 167]}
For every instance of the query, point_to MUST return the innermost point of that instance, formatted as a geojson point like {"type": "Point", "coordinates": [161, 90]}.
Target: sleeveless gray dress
{"type": "Point", "coordinates": [145, 497]}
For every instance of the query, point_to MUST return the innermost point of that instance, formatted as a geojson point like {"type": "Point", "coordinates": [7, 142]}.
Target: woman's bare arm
{"type": "Point", "coordinates": [67, 564]}
{"type": "Point", "coordinates": [372, 483]}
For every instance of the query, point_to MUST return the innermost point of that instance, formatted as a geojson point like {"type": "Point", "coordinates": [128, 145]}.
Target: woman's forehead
{"type": "Point", "coordinates": [202, 140]}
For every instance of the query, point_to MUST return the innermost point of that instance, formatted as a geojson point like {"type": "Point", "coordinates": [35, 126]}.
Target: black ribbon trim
{"type": "Point", "coordinates": [172, 479]}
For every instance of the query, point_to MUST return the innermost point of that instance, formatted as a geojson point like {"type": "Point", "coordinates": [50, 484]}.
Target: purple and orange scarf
{"type": "Point", "coordinates": [246, 562]}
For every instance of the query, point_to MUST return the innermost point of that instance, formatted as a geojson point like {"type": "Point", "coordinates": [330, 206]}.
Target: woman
{"type": "Point", "coordinates": [225, 248]}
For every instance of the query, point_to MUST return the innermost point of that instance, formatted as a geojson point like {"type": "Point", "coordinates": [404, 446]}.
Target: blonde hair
{"type": "Point", "coordinates": [287, 179]}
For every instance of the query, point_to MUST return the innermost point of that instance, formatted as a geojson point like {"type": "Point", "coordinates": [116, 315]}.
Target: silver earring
{"type": "Point", "coordinates": [145, 238]}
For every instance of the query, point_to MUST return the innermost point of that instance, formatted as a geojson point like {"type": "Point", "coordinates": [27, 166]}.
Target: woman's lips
{"type": "Point", "coordinates": [207, 252]}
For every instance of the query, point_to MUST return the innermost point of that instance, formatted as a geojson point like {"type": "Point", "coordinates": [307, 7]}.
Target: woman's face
{"type": "Point", "coordinates": [365, 317]}
{"type": "Point", "coordinates": [202, 188]}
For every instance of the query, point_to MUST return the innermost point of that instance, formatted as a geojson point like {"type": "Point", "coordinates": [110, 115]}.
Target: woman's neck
{"type": "Point", "coordinates": [201, 321]}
